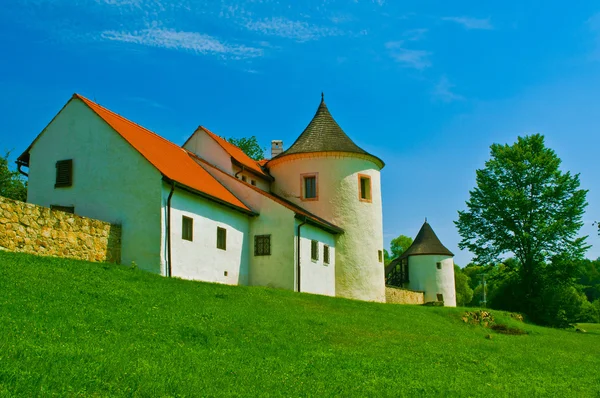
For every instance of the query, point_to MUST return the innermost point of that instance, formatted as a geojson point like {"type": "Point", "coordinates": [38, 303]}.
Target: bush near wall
{"type": "Point", "coordinates": [28, 228]}
{"type": "Point", "coordinates": [396, 295]}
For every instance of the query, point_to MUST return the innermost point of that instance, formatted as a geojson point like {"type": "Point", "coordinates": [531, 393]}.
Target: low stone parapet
{"type": "Point", "coordinates": [28, 228]}
{"type": "Point", "coordinates": [396, 295]}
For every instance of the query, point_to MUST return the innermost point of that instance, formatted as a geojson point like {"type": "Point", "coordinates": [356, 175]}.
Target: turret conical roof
{"type": "Point", "coordinates": [426, 242]}
{"type": "Point", "coordinates": [323, 134]}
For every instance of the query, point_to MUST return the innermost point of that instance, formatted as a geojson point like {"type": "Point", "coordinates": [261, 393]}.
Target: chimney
{"type": "Point", "coordinates": [276, 148]}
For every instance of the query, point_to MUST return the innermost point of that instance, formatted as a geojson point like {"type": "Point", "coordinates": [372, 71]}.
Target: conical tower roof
{"type": "Point", "coordinates": [323, 134]}
{"type": "Point", "coordinates": [426, 242]}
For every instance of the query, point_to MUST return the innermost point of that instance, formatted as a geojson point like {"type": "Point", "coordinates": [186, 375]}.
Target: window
{"type": "Point", "coordinates": [253, 182]}
{"type": "Point", "coordinates": [440, 297]}
{"type": "Point", "coordinates": [262, 245]}
{"type": "Point", "coordinates": [314, 250]}
{"type": "Point", "coordinates": [325, 254]}
{"type": "Point", "coordinates": [66, 209]}
{"type": "Point", "coordinates": [364, 185]}
{"type": "Point", "coordinates": [64, 173]}
{"type": "Point", "coordinates": [309, 187]}
{"type": "Point", "coordinates": [244, 178]}
{"type": "Point", "coordinates": [439, 265]}
{"type": "Point", "coordinates": [221, 238]}
{"type": "Point", "coordinates": [187, 228]}
{"type": "Point", "coordinates": [380, 255]}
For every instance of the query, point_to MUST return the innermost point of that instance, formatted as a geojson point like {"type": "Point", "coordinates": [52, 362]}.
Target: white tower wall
{"type": "Point", "coordinates": [424, 275]}
{"type": "Point", "coordinates": [359, 274]}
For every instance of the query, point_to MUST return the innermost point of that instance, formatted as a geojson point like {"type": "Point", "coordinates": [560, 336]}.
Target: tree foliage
{"type": "Point", "coordinates": [250, 146]}
{"type": "Point", "coordinates": [12, 184]}
{"type": "Point", "coordinates": [464, 293]}
{"type": "Point", "coordinates": [399, 245]}
{"type": "Point", "coordinates": [524, 205]}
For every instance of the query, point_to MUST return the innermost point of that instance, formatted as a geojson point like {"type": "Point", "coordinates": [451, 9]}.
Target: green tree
{"type": "Point", "coordinates": [250, 146]}
{"type": "Point", "coordinates": [399, 245]}
{"type": "Point", "coordinates": [386, 258]}
{"type": "Point", "coordinates": [525, 205]}
{"type": "Point", "coordinates": [12, 184]}
{"type": "Point", "coordinates": [464, 293]}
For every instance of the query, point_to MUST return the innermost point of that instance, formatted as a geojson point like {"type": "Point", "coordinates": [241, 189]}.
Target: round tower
{"type": "Point", "coordinates": [430, 267]}
{"type": "Point", "coordinates": [326, 173]}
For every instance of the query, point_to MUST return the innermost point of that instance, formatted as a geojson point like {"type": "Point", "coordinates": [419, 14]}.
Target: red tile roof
{"type": "Point", "coordinates": [170, 159]}
{"type": "Point", "coordinates": [295, 208]}
{"type": "Point", "coordinates": [237, 154]}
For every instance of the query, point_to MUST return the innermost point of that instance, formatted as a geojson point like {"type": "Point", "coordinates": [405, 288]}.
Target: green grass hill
{"type": "Point", "coordinates": [72, 328]}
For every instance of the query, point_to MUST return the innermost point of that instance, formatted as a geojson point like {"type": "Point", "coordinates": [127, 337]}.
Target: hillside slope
{"type": "Point", "coordinates": [76, 328]}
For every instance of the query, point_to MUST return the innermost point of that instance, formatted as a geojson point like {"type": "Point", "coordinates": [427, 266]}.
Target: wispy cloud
{"type": "Point", "coordinates": [471, 23]}
{"type": "Point", "coordinates": [415, 34]}
{"type": "Point", "coordinates": [193, 42]}
{"type": "Point", "coordinates": [416, 59]}
{"type": "Point", "coordinates": [296, 30]}
{"type": "Point", "coordinates": [443, 91]}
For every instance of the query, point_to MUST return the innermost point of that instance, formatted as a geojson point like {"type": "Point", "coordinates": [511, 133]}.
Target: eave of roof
{"type": "Point", "coordinates": [169, 159]}
{"type": "Point", "coordinates": [324, 134]}
{"type": "Point", "coordinates": [299, 211]}
{"type": "Point", "coordinates": [238, 157]}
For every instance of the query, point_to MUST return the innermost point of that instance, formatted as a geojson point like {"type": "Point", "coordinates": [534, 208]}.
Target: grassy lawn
{"type": "Point", "coordinates": [75, 328]}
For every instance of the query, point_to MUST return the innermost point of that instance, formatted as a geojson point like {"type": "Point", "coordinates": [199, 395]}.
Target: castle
{"type": "Point", "coordinates": [308, 219]}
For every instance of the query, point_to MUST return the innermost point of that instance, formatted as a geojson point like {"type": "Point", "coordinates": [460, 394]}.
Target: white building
{"type": "Point", "coordinates": [309, 219]}
{"type": "Point", "coordinates": [427, 266]}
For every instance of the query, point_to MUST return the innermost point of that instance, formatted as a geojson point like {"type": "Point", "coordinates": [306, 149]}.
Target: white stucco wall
{"type": "Point", "coordinates": [111, 180]}
{"type": "Point", "coordinates": [278, 269]}
{"type": "Point", "coordinates": [200, 259]}
{"type": "Point", "coordinates": [260, 183]}
{"type": "Point", "coordinates": [424, 275]}
{"type": "Point", "coordinates": [316, 276]}
{"type": "Point", "coordinates": [208, 149]}
{"type": "Point", "coordinates": [359, 274]}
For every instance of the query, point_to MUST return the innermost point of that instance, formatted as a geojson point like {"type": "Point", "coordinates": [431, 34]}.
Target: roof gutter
{"type": "Point", "coordinates": [21, 163]}
{"type": "Point", "coordinates": [318, 224]}
{"type": "Point", "coordinates": [256, 173]}
{"type": "Point", "coordinates": [209, 197]}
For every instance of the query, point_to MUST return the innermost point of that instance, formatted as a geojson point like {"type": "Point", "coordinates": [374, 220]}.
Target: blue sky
{"type": "Point", "coordinates": [427, 86]}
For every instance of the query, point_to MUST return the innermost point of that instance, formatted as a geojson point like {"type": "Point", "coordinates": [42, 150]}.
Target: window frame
{"type": "Point", "coordinates": [360, 190]}
{"type": "Point", "coordinates": [185, 231]}
{"type": "Point", "coordinates": [314, 250]}
{"type": "Point", "coordinates": [266, 237]}
{"type": "Point", "coordinates": [303, 178]}
{"type": "Point", "coordinates": [326, 254]}
{"type": "Point", "coordinates": [60, 173]}
{"type": "Point", "coordinates": [221, 238]}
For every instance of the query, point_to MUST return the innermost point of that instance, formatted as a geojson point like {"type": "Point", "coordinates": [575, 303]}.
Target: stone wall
{"type": "Point", "coordinates": [29, 228]}
{"type": "Point", "coordinates": [396, 295]}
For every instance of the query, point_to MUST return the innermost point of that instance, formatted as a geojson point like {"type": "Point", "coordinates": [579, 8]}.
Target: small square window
{"type": "Point", "coordinates": [314, 250]}
{"type": "Point", "coordinates": [364, 188]}
{"type": "Point", "coordinates": [440, 297]}
{"type": "Point", "coordinates": [262, 245]}
{"type": "Point", "coordinates": [64, 173]}
{"type": "Point", "coordinates": [309, 187]}
{"type": "Point", "coordinates": [244, 178]}
{"type": "Point", "coordinates": [439, 265]}
{"type": "Point", "coordinates": [66, 209]}
{"type": "Point", "coordinates": [187, 228]}
{"type": "Point", "coordinates": [325, 254]}
{"type": "Point", "coordinates": [221, 238]}
{"type": "Point", "coordinates": [253, 182]}
{"type": "Point", "coordinates": [380, 255]}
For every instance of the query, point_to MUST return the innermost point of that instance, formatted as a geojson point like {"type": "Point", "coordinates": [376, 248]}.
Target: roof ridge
{"type": "Point", "coordinates": [84, 99]}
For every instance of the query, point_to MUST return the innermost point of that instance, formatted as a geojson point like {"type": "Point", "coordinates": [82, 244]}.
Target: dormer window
{"type": "Point", "coordinates": [364, 188]}
{"type": "Point", "coordinates": [309, 187]}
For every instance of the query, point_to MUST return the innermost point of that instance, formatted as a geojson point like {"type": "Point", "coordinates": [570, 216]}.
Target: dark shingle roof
{"type": "Point", "coordinates": [426, 242]}
{"type": "Point", "coordinates": [323, 134]}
